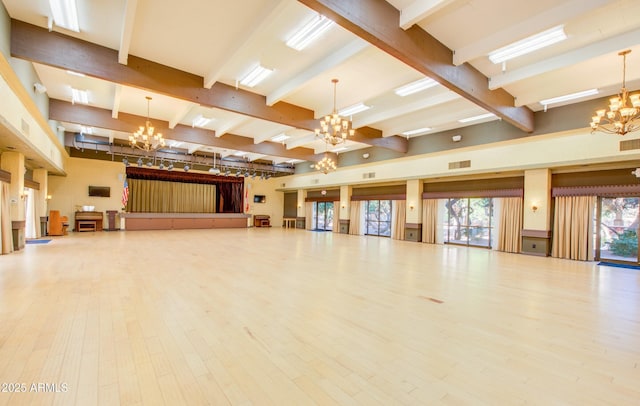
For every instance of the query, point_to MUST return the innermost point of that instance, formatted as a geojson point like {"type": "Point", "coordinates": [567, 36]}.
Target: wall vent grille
{"type": "Point", "coordinates": [459, 164]}
{"type": "Point", "coordinates": [629, 145]}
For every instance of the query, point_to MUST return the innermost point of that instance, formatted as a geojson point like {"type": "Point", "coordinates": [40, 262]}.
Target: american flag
{"type": "Point", "coordinates": [125, 194]}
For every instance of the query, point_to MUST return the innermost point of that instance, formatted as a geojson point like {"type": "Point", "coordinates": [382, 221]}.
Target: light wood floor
{"type": "Point", "coordinates": [293, 317]}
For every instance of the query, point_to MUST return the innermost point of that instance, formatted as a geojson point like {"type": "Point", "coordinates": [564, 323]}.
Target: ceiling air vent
{"type": "Point", "coordinates": [459, 164]}
{"type": "Point", "coordinates": [629, 145]}
{"type": "Point", "coordinates": [368, 175]}
{"type": "Point", "coordinates": [315, 181]}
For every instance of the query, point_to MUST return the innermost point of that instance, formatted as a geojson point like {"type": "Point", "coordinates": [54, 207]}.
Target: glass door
{"type": "Point", "coordinates": [323, 216]}
{"type": "Point", "coordinates": [617, 234]}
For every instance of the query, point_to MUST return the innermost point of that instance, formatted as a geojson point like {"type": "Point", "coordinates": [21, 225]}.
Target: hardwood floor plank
{"type": "Point", "coordinates": [255, 317]}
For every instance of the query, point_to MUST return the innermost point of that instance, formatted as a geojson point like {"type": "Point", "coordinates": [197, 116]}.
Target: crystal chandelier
{"type": "Point", "coordinates": [335, 129]}
{"type": "Point", "coordinates": [326, 164]}
{"type": "Point", "coordinates": [624, 109]}
{"type": "Point", "coordinates": [146, 138]}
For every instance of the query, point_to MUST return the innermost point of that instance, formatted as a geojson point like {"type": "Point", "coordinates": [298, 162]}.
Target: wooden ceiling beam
{"type": "Point", "coordinates": [377, 22]}
{"type": "Point", "coordinates": [38, 45]}
{"type": "Point", "coordinates": [101, 118]}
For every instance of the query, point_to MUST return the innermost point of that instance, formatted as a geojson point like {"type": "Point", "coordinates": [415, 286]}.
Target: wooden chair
{"type": "Point", "coordinates": [57, 224]}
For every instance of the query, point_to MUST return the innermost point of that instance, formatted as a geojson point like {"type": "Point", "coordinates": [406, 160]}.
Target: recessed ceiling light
{"type": "Point", "coordinates": [65, 14]}
{"type": "Point", "coordinates": [257, 75]}
{"type": "Point", "coordinates": [416, 131]}
{"type": "Point", "coordinates": [70, 72]}
{"type": "Point", "coordinates": [529, 44]}
{"type": "Point", "coordinates": [355, 109]}
{"type": "Point", "coordinates": [568, 97]}
{"type": "Point", "coordinates": [309, 32]}
{"type": "Point", "coordinates": [415, 87]}
{"type": "Point", "coordinates": [476, 118]}
{"type": "Point", "coordinates": [200, 121]}
{"type": "Point", "coordinates": [79, 96]}
{"type": "Point", "coordinates": [280, 138]}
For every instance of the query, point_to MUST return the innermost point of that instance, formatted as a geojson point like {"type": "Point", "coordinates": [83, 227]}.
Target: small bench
{"type": "Point", "coordinates": [86, 225]}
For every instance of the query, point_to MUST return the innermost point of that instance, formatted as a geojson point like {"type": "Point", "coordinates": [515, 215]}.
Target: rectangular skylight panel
{"type": "Point", "coordinates": [309, 32]}
{"type": "Point", "coordinates": [280, 138]}
{"type": "Point", "coordinates": [79, 96]}
{"type": "Point", "coordinates": [257, 75]}
{"type": "Point", "coordinates": [476, 118]}
{"type": "Point", "coordinates": [201, 121]}
{"type": "Point", "coordinates": [355, 109]}
{"type": "Point", "coordinates": [416, 131]}
{"type": "Point", "coordinates": [65, 14]}
{"type": "Point", "coordinates": [568, 97]}
{"type": "Point", "coordinates": [527, 45]}
{"type": "Point", "coordinates": [415, 87]}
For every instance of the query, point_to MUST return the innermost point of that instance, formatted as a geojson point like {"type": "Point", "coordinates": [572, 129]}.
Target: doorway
{"type": "Point", "coordinates": [617, 229]}
{"type": "Point", "coordinates": [323, 216]}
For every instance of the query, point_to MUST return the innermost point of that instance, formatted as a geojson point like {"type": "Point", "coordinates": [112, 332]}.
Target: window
{"type": "Point", "coordinates": [378, 218]}
{"type": "Point", "coordinates": [469, 221]}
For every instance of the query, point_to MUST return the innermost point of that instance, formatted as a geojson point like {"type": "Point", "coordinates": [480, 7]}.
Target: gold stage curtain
{"type": "Point", "coordinates": [154, 196]}
{"type": "Point", "coordinates": [355, 217]}
{"type": "Point", "coordinates": [336, 217]}
{"type": "Point", "coordinates": [6, 235]}
{"type": "Point", "coordinates": [509, 239]}
{"type": "Point", "coordinates": [308, 215]}
{"type": "Point", "coordinates": [429, 220]}
{"type": "Point", "coordinates": [573, 227]}
{"type": "Point", "coordinates": [398, 220]}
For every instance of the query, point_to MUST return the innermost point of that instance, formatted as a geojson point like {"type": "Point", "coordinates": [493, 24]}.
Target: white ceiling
{"type": "Point", "coordinates": [222, 40]}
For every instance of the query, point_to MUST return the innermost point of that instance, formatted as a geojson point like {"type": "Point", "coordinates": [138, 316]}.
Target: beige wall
{"type": "Point", "coordinates": [69, 192]}
{"type": "Point", "coordinates": [537, 192]}
{"type": "Point", "coordinates": [274, 204]}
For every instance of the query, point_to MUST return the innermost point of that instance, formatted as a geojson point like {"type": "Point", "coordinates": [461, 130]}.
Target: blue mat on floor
{"type": "Point", "coordinates": [619, 265]}
{"type": "Point", "coordinates": [36, 241]}
{"type": "Point", "coordinates": [319, 230]}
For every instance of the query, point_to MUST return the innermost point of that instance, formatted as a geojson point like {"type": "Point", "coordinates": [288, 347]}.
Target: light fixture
{"type": "Point", "coordinates": [125, 161]}
{"type": "Point", "coordinates": [146, 138]}
{"type": "Point", "coordinates": [624, 109]}
{"type": "Point", "coordinates": [79, 96]}
{"type": "Point", "coordinates": [456, 138]}
{"type": "Point", "coordinates": [186, 168]}
{"type": "Point", "coordinates": [170, 167]}
{"type": "Point", "coordinates": [529, 44]}
{"type": "Point", "coordinates": [416, 131]}
{"type": "Point", "coordinates": [257, 75]}
{"type": "Point", "coordinates": [326, 164]}
{"type": "Point", "coordinates": [335, 129]}
{"type": "Point", "coordinates": [139, 162]}
{"type": "Point", "coordinates": [476, 118]}
{"type": "Point", "coordinates": [280, 138]}
{"type": "Point", "coordinates": [65, 14]}
{"type": "Point", "coordinates": [39, 88]}
{"type": "Point", "coordinates": [355, 109]}
{"type": "Point", "coordinates": [415, 87]}
{"type": "Point", "coordinates": [568, 97]}
{"type": "Point", "coordinates": [200, 121]}
{"type": "Point", "coordinates": [309, 32]}
{"type": "Point", "coordinates": [534, 208]}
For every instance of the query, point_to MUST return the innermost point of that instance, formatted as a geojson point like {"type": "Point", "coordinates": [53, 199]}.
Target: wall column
{"type": "Point", "coordinates": [41, 176]}
{"type": "Point", "coordinates": [345, 208]}
{"type": "Point", "coordinates": [536, 235]}
{"type": "Point", "coordinates": [413, 226]}
{"type": "Point", "coordinates": [14, 162]}
{"type": "Point", "coordinates": [300, 214]}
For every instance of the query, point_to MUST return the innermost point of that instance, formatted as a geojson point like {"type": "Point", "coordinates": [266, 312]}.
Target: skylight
{"type": "Point", "coordinates": [309, 32]}
{"type": "Point", "coordinates": [527, 45]}
{"type": "Point", "coordinates": [476, 118]}
{"type": "Point", "coordinates": [355, 109]}
{"type": "Point", "coordinates": [415, 87]}
{"type": "Point", "coordinates": [79, 96]}
{"type": "Point", "coordinates": [568, 97]}
{"type": "Point", "coordinates": [65, 14]}
{"type": "Point", "coordinates": [257, 75]}
{"type": "Point", "coordinates": [416, 131]}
